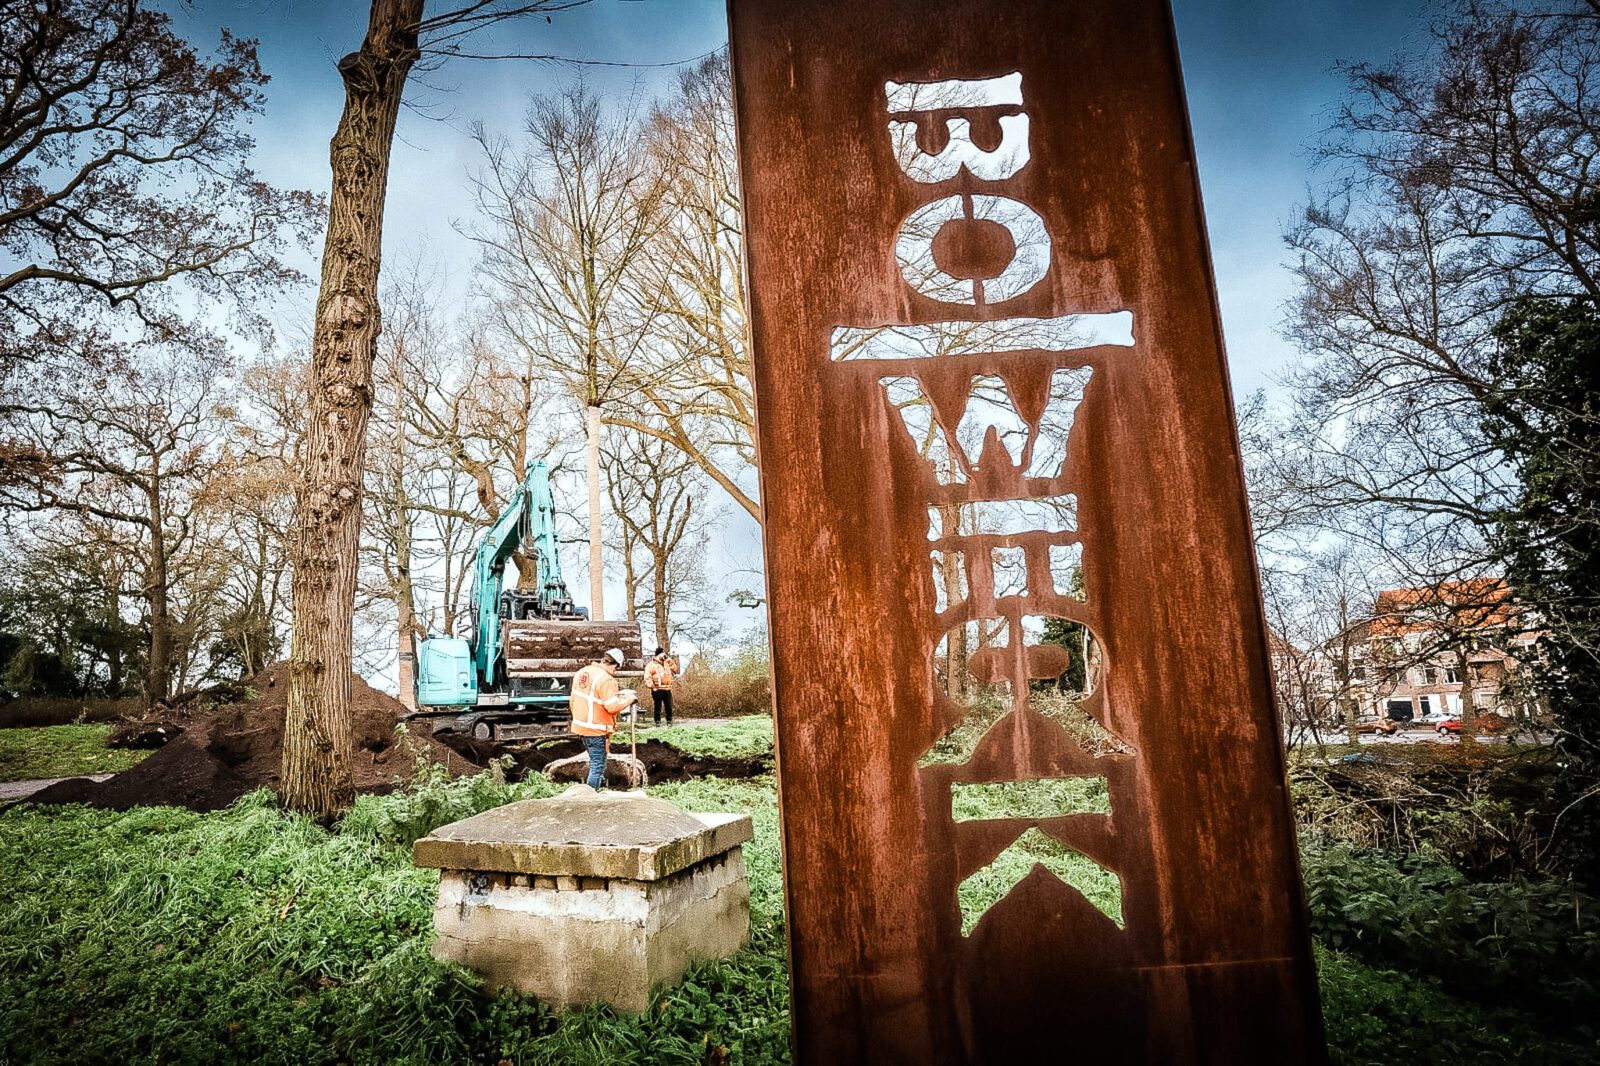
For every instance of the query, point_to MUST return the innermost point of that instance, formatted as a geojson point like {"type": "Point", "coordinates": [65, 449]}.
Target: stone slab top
{"type": "Point", "coordinates": [583, 833]}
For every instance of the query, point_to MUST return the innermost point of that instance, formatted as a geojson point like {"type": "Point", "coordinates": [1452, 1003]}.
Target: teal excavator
{"type": "Point", "coordinates": [512, 678]}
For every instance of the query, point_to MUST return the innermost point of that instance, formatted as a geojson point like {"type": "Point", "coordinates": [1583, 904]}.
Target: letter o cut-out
{"type": "Point", "coordinates": [1026, 267]}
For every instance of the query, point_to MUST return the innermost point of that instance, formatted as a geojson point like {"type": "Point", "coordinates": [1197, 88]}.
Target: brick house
{"type": "Point", "coordinates": [1407, 661]}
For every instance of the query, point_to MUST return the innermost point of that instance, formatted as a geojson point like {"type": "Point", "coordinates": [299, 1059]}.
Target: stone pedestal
{"type": "Point", "coordinates": [588, 897]}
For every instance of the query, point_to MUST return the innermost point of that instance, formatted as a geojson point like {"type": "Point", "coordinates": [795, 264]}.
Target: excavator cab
{"type": "Point", "coordinates": [445, 673]}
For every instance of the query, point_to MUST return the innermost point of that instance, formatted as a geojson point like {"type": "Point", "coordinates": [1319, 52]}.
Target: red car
{"type": "Point", "coordinates": [1483, 723]}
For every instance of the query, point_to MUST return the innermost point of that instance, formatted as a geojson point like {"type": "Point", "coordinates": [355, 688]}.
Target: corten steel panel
{"type": "Point", "coordinates": [1211, 960]}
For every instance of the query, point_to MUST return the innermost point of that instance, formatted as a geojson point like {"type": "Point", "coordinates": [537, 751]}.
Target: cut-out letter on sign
{"type": "Point", "coordinates": [931, 340]}
{"type": "Point", "coordinates": [917, 101]}
{"type": "Point", "coordinates": [1033, 849]}
{"type": "Point", "coordinates": [1008, 518]}
{"type": "Point", "coordinates": [919, 252]}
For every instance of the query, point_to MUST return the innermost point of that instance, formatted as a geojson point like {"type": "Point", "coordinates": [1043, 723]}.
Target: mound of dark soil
{"type": "Point", "coordinates": [223, 753]}
{"type": "Point", "coordinates": [149, 731]}
{"type": "Point", "coordinates": [662, 761]}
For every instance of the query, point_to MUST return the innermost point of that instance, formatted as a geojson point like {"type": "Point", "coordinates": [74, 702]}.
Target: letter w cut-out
{"type": "Point", "coordinates": [991, 412]}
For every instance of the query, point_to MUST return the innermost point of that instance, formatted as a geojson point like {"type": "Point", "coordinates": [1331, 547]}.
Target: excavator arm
{"type": "Point", "coordinates": [525, 646]}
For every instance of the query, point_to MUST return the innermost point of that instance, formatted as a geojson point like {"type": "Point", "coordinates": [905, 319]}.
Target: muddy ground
{"type": "Point", "coordinates": [211, 754]}
{"type": "Point", "coordinates": [662, 762]}
{"type": "Point", "coordinates": [211, 751]}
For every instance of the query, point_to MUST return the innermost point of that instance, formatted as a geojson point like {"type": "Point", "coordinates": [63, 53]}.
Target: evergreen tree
{"type": "Point", "coordinates": [1545, 417]}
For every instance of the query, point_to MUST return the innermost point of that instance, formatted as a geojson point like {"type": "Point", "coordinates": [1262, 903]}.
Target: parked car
{"type": "Point", "coordinates": [1483, 723]}
{"type": "Point", "coordinates": [1387, 726]}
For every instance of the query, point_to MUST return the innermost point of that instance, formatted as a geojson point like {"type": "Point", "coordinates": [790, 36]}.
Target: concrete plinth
{"type": "Point", "coordinates": [588, 897]}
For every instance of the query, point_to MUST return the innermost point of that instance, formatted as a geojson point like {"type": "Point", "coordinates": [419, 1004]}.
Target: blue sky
{"type": "Point", "coordinates": [1259, 75]}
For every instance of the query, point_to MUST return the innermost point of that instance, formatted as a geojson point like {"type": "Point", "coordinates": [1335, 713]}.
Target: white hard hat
{"type": "Point", "coordinates": [615, 655]}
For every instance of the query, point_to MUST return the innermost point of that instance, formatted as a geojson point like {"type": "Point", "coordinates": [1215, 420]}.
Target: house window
{"type": "Point", "coordinates": [1425, 705]}
{"type": "Point", "coordinates": [1430, 676]}
{"type": "Point", "coordinates": [1452, 675]}
{"type": "Point", "coordinates": [1359, 673]}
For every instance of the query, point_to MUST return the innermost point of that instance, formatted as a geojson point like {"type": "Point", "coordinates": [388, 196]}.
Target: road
{"type": "Point", "coordinates": [16, 791]}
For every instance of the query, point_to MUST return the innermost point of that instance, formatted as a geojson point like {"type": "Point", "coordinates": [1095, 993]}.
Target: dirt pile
{"type": "Point", "coordinates": [662, 762]}
{"type": "Point", "coordinates": [224, 752]}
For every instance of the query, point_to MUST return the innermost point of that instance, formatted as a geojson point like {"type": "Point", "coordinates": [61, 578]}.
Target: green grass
{"type": "Point", "coordinates": [61, 751]}
{"type": "Point", "coordinates": [250, 935]}
{"type": "Point", "coordinates": [749, 735]}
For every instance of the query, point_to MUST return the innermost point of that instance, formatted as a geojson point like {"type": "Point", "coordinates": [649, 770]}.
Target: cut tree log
{"type": "Point", "coordinates": [543, 648]}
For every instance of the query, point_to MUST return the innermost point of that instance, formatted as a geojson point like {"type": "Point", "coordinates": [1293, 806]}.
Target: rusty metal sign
{"type": "Point", "coordinates": [997, 448]}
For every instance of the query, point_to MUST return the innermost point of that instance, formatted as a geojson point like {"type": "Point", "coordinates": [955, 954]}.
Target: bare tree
{"type": "Point", "coordinates": [316, 772]}
{"type": "Point", "coordinates": [567, 218]}
{"type": "Point", "coordinates": [660, 494]}
{"type": "Point", "coordinates": [129, 447]}
{"type": "Point", "coordinates": [695, 379]}
{"type": "Point", "coordinates": [1461, 178]}
{"type": "Point", "coordinates": [123, 170]}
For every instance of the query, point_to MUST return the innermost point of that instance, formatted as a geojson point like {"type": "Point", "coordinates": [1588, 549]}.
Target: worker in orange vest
{"type": "Point", "coordinates": [596, 701]}
{"type": "Point", "coordinates": [658, 674]}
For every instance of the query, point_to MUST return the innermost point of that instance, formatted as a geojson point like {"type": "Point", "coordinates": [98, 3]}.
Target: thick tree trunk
{"type": "Point", "coordinates": [317, 735]}
{"type": "Point", "coordinates": [597, 574]}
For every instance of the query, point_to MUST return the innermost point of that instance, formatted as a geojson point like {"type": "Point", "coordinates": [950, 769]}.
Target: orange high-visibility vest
{"type": "Point", "coordinates": [595, 702]}
{"type": "Point", "coordinates": [658, 673]}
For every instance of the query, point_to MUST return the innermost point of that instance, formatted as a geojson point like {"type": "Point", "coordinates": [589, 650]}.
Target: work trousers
{"type": "Point", "coordinates": [596, 747]}
{"type": "Point", "coordinates": [661, 698]}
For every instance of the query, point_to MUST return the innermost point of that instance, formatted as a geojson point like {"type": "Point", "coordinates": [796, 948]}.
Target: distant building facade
{"type": "Point", "coordinates": [1408, 659]}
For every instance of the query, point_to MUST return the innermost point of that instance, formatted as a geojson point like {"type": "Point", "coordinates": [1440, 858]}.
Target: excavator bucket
{"type": "Point", "coordinates": [541, 647]}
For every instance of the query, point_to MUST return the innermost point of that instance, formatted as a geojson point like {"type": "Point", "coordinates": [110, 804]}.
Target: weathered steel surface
{"type": "Point", "coordinates": [540, 647]}
{"type": "Point", "coordinates": [1046, 432]}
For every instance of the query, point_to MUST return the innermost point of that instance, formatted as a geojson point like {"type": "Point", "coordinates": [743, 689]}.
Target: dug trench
{"type": "Point", "coordinates": [663, 763]}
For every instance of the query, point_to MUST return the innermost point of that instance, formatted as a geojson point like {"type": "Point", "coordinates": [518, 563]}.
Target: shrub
{"type": "Point", "coordinates": [1377, 1017]}
{"type": "Point", "coordinates": [706, 693]}
{"type": "Point", "coordinates": [1486, 812]}
{"type": "Point", "coordinates": [1528, 943]}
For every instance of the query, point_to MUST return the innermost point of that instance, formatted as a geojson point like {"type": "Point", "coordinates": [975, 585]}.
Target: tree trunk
{"type": "Point", "coordinates": [663, 599]}
{"type": "Point", "coordinates": [317, 734]}
{"type": "Point", "coordinates": [158, 671]}
{"type": "Point", "coordinates": [955, 670]}
{"type": "Point", "coordinates": [1468, 711]}
{"type": "Point", "coordinates": [405, 604]}
{"type": "Point", "coordinates": [406, 624]}
{"type": "Point", "coordinates": [630, 579]}
{"type": "Point", "coordinates": [597, 575]}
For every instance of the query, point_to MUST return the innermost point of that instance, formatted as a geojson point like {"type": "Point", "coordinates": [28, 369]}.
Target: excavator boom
{"type": "Point", "coordinates": [525, 645]}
